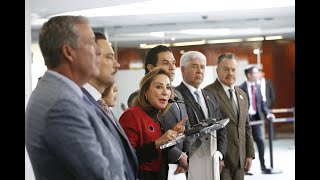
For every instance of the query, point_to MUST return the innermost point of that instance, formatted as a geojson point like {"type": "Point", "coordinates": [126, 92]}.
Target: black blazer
{"type": "Point", "coordinates": [130, 158]}
{"type": "Point", "coordinates": [262, 108]}
{"type": "Point", "coordinates": [270, 94]}
{"type": "Point", "coordinates": [213, 112]}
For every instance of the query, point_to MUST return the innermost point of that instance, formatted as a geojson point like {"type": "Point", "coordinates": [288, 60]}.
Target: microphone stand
{"type": "Point", "coordinates": [194, 112]}
{"type": "Point", "coordinates": [199, 125]}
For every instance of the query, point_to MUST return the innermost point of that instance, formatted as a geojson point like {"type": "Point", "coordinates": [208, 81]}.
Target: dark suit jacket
{"type": "Point", "coordinates": [262, 108]}
{"type": "Point", "coordinates": [239, 134]}
{"type": "Point", "coordinates": [168, 120]}
{"type": "Point", "coordinates": [65, 138]}
{"type": "Point", "coordinates": [130, 159]}
{"type": "Point", "coordinates": [214, 112]}
{"type": "Point", "coordinates": [270, 94]}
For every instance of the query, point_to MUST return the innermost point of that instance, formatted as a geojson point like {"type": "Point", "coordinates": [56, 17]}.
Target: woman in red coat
{"type": "Point", "coordinates": [142, 125]}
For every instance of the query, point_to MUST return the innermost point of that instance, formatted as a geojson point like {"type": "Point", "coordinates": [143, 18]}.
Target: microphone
{"type": "Point", "coordinates": [205, 122]}
{"type": "Point", "coordinates": [198, 126]}
{"type": "Point", "coordinates": [176, 100]}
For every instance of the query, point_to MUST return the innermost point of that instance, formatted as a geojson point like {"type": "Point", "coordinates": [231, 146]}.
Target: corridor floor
{"type": "Point", "coordinates": [283, 159]}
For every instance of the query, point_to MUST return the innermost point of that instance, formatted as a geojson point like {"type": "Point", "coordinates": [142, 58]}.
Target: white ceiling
{"type": "Point", "coordinates": [130, 31]}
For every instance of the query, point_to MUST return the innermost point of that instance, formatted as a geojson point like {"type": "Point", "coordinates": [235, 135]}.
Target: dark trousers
{"type": "Point", "coordinates": [257, 137]}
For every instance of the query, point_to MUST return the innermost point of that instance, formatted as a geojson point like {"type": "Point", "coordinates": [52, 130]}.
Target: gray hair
{"type": "Point", "coordinates": [56, 32]}
{"type": "Point", "coordinates": [190, 55]}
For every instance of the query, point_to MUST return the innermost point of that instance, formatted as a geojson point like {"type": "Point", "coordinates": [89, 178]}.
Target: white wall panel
{"type": "Point", "coordinates": [28, 61]}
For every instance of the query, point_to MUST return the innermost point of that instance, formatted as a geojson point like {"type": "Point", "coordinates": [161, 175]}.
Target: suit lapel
{"type": "Point", "coordinates": [189, 97]}
{"type": "Point", "coordinates": [174, 112]}
{"type": "Point", "coordinates": [107, 121]}
{"type": "Point", "coordinates": [243, 108]}
{"type": "Point", "coordinates": [209, 105]}
{"type": "Point", "coordinates": [222, 94]}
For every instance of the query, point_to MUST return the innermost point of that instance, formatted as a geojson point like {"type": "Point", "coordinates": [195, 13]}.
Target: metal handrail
{"type": "Point", "coordinates": [271, 128]}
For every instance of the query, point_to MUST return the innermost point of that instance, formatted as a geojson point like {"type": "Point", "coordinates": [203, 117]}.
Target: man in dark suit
{"type": "Point", "coordinates": [257, 111]}
{"type": "Point", "coordinates": [193, 64]}
{"type": "Point", "coordinates": [240, 149]}
{"type": "Point", "coordinates": [161, 56]}
{"type": "Point", "coordinates": [65, 138]}
{"type": "Point", "coordinates": [94, 89]}
{"type": "Point", "coordinates": [267, 90]}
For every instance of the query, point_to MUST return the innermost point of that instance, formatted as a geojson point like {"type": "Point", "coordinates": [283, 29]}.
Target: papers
{"type": "Point", "coordinates": [172, 176]}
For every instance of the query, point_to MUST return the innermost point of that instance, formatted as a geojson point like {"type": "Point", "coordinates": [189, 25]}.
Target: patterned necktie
{"type": "Point", "coordinates": [106, 108]}
{"type": "Point", "coordinates": [233, 103]}
{"type": "Point", "coordinates": [253, 97]}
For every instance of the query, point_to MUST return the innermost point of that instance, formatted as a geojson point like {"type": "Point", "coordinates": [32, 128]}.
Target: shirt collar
{"type": "Point", "coordinates": [225, 87]}
{"type": "Point", "coordinates": [65, 79]}
{"type": "Point", "coordinates": [191, 88]}
{"type": "Point", "coordinates": [250, 83]}
{"type": "Point", "coordinates": [92, 91]}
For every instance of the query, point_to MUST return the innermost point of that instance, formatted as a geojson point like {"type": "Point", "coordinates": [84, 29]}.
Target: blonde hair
{"type": "Point", "coordinates": [145, 84]}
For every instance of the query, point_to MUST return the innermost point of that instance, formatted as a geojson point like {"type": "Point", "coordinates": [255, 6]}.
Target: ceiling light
{"type": "Point", "coordinates": [223, 31]}
{"type": "Point", "coordinates": [149, 46]}
{"type": "Point", "coordinates": [257, 51]}
{"type": "Point", "coordinates": [255, 39]}
{"type": "Point", "coordinates": [191, 43]}
{"type": "Point", "coordinates": [223, 41]}
{"type": "Point", "coordinates": [143, 45]}
{"type": "Point", "coordinates": [273, 37]}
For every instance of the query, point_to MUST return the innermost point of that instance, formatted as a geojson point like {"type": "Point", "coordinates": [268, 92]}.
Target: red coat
{"type": "Point", "coordinates": [142, 130]}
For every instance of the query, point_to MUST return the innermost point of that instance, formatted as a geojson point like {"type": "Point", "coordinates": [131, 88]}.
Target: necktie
{"type": "Point", "coordinates": [197, 93]}
{"type": "Point", "coordinates": [233, 103]}
{"type": "Point", "coordinates": [253, 97]}
{"type": "Point", "coordinates": [106, 108]}
{"type": "Point", "coordinates": [201, 103]}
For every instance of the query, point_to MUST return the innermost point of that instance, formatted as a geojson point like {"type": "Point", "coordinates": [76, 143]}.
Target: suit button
{"type": "Point", "coordinates": [238, 140]}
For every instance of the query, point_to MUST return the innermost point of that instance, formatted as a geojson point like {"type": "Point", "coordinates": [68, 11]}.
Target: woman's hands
{"type": "Point", "coordinates": [179, 127]}
{"type": "Point", "coordinates": [171, 133]}
{"type": "Point", "coordinates": [167, 136]}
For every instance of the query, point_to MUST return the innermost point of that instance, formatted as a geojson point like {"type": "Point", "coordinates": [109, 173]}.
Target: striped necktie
{"type": "Point", "coordinates": [106, 108]}
{"type": "Point", "coordinates": [233, 103]}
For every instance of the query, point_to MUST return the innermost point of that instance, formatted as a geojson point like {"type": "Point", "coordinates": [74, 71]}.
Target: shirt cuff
{"type": "Point", "coordinates": [180, 156]}
{"type": "Point", "coordinates": [220, 155]}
